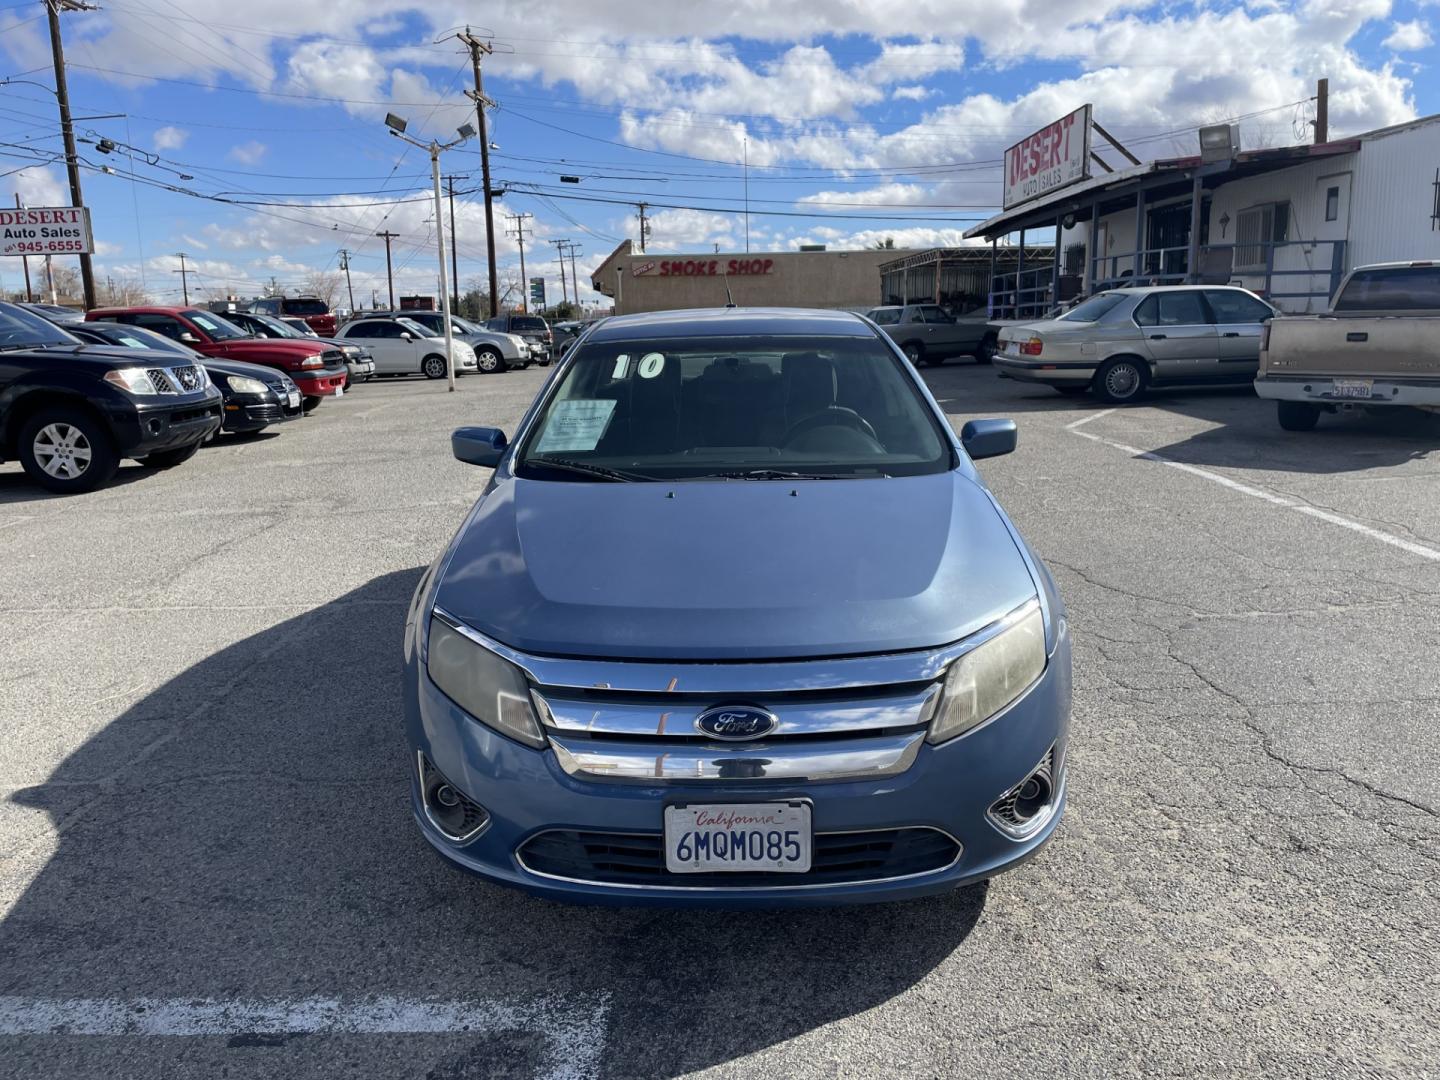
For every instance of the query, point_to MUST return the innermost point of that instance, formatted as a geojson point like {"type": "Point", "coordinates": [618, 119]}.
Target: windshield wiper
{"type": "Point", "coordinates": [785, 474]}
{"type": "Point", "coordinates": [587, 469]}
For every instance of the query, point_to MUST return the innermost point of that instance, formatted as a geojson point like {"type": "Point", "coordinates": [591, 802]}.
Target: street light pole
{"type": "Point", "coordinates": [435, 149]}
{"type": "Point", "coordinates": [67, 129]}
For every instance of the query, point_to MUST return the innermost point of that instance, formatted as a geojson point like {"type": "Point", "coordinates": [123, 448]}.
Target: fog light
{"type": "Point", "coordinates": [1026, 808]}
{"type": "Point", "coordinates": [460, 818]}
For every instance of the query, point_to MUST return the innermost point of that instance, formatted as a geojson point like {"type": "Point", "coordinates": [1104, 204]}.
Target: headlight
{"type": "Point", "coordinates": [485, 686]}
{"type": "Point", "coordinates": [131, 379]}
{"type": "Point", "coordinates": [989, 677]}
{"type": "Point", "coordinates": [243, 384]}
{"type": "Point", "coordinates": [312, 361]}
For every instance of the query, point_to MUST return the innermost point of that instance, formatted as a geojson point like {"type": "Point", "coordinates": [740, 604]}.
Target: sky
{"type": "Point", "coordinates": [251, 136]}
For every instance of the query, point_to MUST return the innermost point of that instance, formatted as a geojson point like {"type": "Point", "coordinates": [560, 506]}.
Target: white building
{"type": "Point", "coordinates": [1285, 222]}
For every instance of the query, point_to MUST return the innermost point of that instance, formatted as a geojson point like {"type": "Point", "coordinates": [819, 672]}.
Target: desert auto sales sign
{"type": "Point", "coordinates": [1054, 157]}
{"type": "Point", "coordinates": [63, 230]}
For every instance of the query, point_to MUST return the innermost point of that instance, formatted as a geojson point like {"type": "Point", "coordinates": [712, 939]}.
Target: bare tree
{"type": "Point", "coordinates": [511, 290]}
{"type": "Point", "coordinates": [66, 278]}
{"type": "Point", "coordinates": [124, 292]}
{"type": "Point", "coordinates": [325, 284]}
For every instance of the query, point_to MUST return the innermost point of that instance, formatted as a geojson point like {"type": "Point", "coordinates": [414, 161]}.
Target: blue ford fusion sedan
{"type": "Point", "coordinates": [736, 621]}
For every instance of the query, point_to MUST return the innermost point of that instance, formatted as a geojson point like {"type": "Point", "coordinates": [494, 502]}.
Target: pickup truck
{"type": "Point", "coordinates": [1379, 344]}
{"type": "Point", "coordinates": [318, 369]}
{"type": "Point", "coordinates": [927, 334]}
{"type": "Point", "coordinates": [312, 309]}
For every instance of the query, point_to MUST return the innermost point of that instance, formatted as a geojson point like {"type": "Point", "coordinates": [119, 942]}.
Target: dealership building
{"type": "Point", "coordinates": [1285, 222]}
{"type": "Point", "coordinates": [637, 281]}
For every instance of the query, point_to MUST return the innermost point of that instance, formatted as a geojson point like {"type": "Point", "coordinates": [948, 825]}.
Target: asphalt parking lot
{"type": "Point", "coordinates": [207, 865]}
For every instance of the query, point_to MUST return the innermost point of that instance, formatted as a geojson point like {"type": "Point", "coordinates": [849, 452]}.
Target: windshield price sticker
{"type": "Point", "coordinates": [577, 424]}
{"type": "Point", "coordinates": [62, 230]}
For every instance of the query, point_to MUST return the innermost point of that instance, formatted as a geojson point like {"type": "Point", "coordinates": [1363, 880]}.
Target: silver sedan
{"type": "Point", "coordinates": [1121, 341]}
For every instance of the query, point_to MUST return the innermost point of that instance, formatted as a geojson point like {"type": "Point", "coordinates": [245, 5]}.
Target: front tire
{"type": "Point", "coordinates": [67, 451]}
{"type": "Point", "coordinates": [168, 459]}
{"type": "Point", "coordinates": [1122, 380]}
{"type": "Point", "coordinates": [433, 367]}
{"type": "Point", "coordinates": [915, 353]}
{"type": "Point", "coordinates": [1298, 415]}
{"type": "Point", "coordinates": [489, 361]}
{"type": "Point", "coordinates": [310, 404]}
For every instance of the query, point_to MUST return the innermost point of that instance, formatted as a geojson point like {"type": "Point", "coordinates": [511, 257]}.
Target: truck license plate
{"type": "Point", "coordinates": [293, 398]}
{"type": "Point", "coordinates": [1353, 388]}
{"type": "Point", "coordinates": [708, 837]}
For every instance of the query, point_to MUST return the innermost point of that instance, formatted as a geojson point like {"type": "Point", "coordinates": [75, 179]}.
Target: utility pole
{"type": "Point", "coordinates": [25, 259]}
{"type": "Point", "coordinates": [67, 130]}
{"type": "Point", "coordinates": [50, 280]}
{"type": "Point", "coordinates": [644, 226]}
{"type": "Point", "coordinates": [477, 47]}
{"type": "Point", "coordinates": [454, 247]}
{"type": "Point", "coordinates": [574, 281]}
{"type": "Point", "coordinates": [387, 236]}
{"type": "Point", "coordinates": [560, 254]}
{"type": "Point", "coordinates": [345, 265]}
{"type": "Point", "coordinates": [1322, 111]}
{"type": "Point", "coordinates": [518, 231]}
{"type": "Point", "coordinates": [184, 278]}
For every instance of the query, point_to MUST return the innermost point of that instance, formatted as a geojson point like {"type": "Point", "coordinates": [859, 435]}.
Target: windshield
{"type": "Point", "coordinates": [1094, 309]}
{"type": "Point", "coordinates": [300, 327]}
{"type": "Point", "coordinates": [521, 323]}
{"type": "Point", "coordinates": [133, 337]}
{"type": "Point", "coordinates": [743, 407]}
{"type": "Point", "coordinates": [278, 327]}
{"type": "Point", "coordinates": [305, 307]}
{"type": "Point", "coordinates": [218, 328]}
{"type": "Point", "coordinates": [884, 316]}
{"type": "Point", "coordinates": [418, 329]}
{"type": "Point", "coordinates": [19, 328]}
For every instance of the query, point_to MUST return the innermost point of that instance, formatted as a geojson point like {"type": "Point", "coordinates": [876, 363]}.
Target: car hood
{"type": "Point", "coordinates": [288, 347]}
{"type": "Point", "coordinates": [240, 367]}
{"type": "Point", "coordinates": [734, 569]}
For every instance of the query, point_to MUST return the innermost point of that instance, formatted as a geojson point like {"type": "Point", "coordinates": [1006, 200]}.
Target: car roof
{"type": "Point", "coordinates": [143, 309]}
{"type": "Point", "coordinates": [716, 322]}
{"type": "Point", "coordinates": [1146, 290]}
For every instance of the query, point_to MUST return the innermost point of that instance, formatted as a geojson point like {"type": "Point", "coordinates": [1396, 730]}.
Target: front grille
{"type": "Point", "coordinates": [639, 859]}
{"type": "Point", "coordinates": [332, 357]}
{"type": "Point", "coordinates": [263, 412]}
{"type": "Point", "coordinates": [188, 377]}
{"type": "Point", "coordinates": [160, 379]}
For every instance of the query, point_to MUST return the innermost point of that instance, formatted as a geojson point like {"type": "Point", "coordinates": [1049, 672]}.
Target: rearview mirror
{"type": "Point", "coordinates": [478, 445]}
{"type": "Point", "coordinates": [989, 438]}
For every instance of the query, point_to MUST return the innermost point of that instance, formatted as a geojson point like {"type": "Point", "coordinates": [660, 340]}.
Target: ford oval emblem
{"type": "Point", "coordinates": [736, 723]}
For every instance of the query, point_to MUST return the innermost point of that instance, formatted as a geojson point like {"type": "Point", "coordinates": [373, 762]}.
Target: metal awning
{"type": "Point", "coordinates": [1125, 183]}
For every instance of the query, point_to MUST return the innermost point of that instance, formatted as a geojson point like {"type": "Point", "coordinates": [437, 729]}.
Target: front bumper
{"type": "Point", "coordinates": [142, 428]}
{"type": "Point", "coordinates": [325, 382]}
{"type": "Point", "coordinates": [254, 412]}
{"type": "Point", "coordinates": [1321, 390]}
{"type": "Point", "coordinates": [1073, 373]}
{"type": "Point", "coordinates": [949, 788]}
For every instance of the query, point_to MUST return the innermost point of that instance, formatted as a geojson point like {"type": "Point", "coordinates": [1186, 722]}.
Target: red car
{"type": "Point", "coordinates": [312, 309]}
{"type": "Point", "coordinates": [318, 369]}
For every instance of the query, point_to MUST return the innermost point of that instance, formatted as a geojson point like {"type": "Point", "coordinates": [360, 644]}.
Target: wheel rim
{"type": "Point", "coordinates": [434, 368]}
{"type": "Point", "coordinates": [62, 451]}
{"type": "Point", "coordinates": [487, 361]}
{"type": "Point", "coordinates": [1122, 380]}
{"type": "Point", "coordinates": [912, 353]}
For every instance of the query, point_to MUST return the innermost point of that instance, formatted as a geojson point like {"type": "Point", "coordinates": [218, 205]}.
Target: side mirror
{"type": "Point", "coordinates": [988, 438]}
{"type": "Point", "coordinates": [188, 338]}
{"type": "Point", "coordinates": [405, 335]}
{"type": "Point", "coordinates": [478, 445]}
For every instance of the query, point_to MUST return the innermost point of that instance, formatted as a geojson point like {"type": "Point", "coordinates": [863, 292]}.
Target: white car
{"type": "Point", "coordinates": [494, 352]}
{"type": "Point", "coordinates": [404, 347]}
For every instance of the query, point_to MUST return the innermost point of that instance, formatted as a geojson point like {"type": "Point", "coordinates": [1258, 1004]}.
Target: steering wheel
{"type": "Point", "coordinates": [832, 416]}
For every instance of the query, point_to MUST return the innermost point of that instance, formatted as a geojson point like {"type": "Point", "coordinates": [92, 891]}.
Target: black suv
{"type": "Point", "coordinates": [532, 328]}
{"type": "Point", "coordinates": [70, 411]}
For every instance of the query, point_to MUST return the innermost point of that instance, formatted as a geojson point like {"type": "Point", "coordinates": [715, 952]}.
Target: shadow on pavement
{"type": "Point", "coordinates": [244, 832]}
{"type": "Point", "coordinates": [16, 487]}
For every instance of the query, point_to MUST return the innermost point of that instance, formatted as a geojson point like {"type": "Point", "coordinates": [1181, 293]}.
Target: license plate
{"type": "Point", "coordinates": [293, 399]}
{"type": "Point", "coordinates": [339, 391]}
{"type": "Point", "coordinates": [1353, 388]}
{"type": "Point", "coordinates": [707, 837]}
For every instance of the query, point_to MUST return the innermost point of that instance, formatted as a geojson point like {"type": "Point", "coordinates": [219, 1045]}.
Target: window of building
{"type": "Point", "coordinates": [1256, 229]}
{"type": "Point", "coordinates": [1332, 204]}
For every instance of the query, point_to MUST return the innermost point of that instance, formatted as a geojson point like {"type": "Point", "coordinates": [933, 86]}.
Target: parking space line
{"type": "Point", "coordinates": [1086, 419]}
{"type": "Point", "coordinates": [1424, 551]}
{"type": "Point", "coordinates": [573, 1026]}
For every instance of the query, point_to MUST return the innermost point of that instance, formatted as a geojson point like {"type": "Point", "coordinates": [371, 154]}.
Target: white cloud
{"type": "Point", "coordinates": [170, 137]}
{"type": "Point", "coordinates": [885, 194]}
{"type": "Point", "coordinates": [343, 71]}
{"type": "Point", "coordinates": [248, 153]}
{"type": "Point", "coordinates": [1409, 37]}
{"type": "Point", "coordinates": [911, 93]}
{"type": "Point", "coordinates": [41, 185]}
